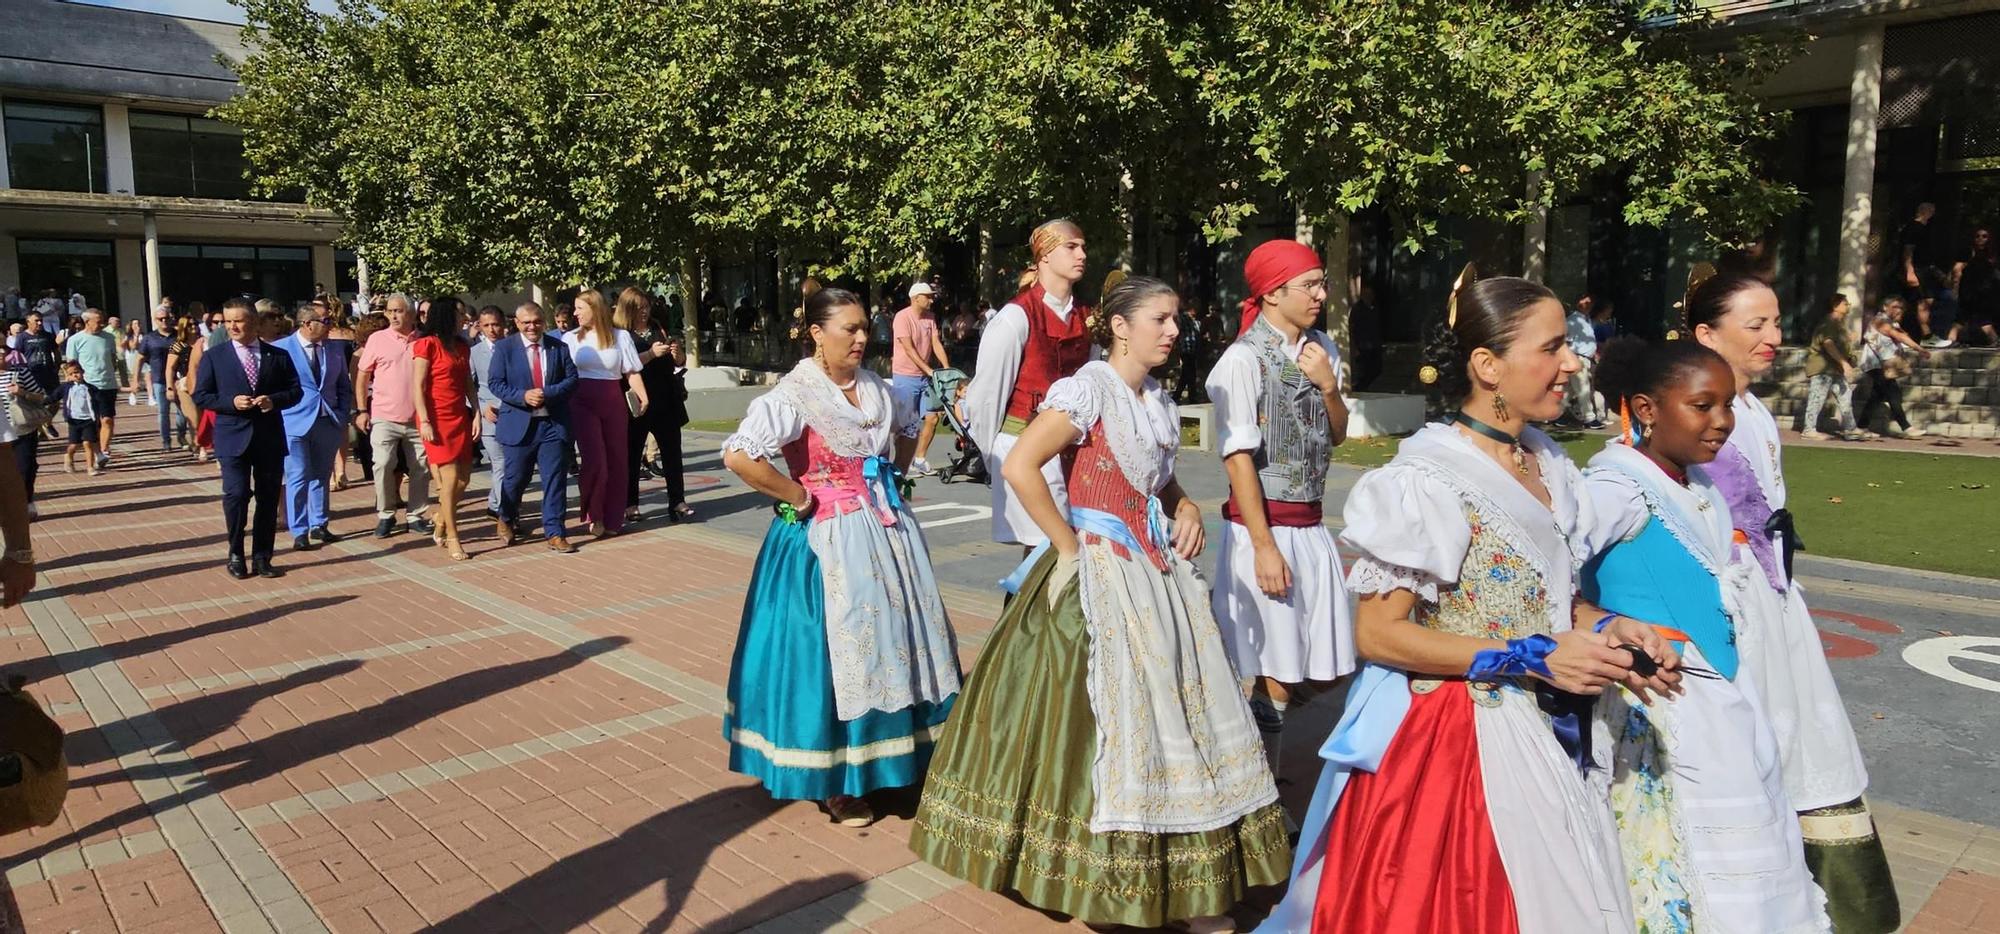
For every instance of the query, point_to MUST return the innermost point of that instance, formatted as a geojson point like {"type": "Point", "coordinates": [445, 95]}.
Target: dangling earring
{"type": "Point", "coordinates": [819, 355]}
{"type": "Point", "coordinates": [1499, 406]}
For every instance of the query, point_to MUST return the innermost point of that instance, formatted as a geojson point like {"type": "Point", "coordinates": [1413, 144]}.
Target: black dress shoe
{"type": "Point", "coordinates": [323, 535]}
{"type": "Point", "coordinates": [262, 568]}
{"type": "Point", "coordinates": [385, 528]}
{"type": "Point", "coordinates": [237, 569]}
{"type": "Point", "coordinates": [302, 543]}
{"type": "Point", "coordinates": [421, 525]}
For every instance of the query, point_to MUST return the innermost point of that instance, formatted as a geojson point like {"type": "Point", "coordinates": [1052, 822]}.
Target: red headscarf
{"type": "Point", "coordinates": [1272, 264]}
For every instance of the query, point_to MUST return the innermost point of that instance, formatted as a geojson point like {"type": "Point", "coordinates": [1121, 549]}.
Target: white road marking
{"type": "Point", "coordinates": [967, 512]}
{"type": "Point", "coordinates": [1935, 656]}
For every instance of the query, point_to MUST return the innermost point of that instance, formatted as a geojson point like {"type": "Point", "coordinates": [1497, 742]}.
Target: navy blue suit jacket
{"type": "Point", "coordinates": [509, 377]}
{"type": "Point", "coordinates": [221, 379]}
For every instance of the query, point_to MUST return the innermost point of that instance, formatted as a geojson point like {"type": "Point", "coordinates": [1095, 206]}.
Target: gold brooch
{"type": "Point", "coordinates": [1427, 375]}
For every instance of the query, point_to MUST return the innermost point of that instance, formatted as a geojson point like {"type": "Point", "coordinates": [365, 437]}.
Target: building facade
{"type": "Point", "coordinates": [116, 184]}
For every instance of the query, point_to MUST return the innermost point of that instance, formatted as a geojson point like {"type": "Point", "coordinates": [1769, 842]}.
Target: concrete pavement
{"type": "Point", "coordinates": [386, 740]}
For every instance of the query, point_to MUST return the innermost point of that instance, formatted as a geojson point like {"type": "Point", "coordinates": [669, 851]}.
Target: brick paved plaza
{"type": "Point", "coordinates": [388, 740]}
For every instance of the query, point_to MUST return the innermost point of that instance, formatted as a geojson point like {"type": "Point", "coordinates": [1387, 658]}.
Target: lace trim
{"type": "Point", "coordinates": [1073, 398]}
{"type": "Point", "coordinates": [847, 431]}
{"type": "Point", "coordinates": [1144, 452]}
{"type": "Point", "coordinates": [1367, 575]}
{"type": "Point", "coordinates": [754, 448]}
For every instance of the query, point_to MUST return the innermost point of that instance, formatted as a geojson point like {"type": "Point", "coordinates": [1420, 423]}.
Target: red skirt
{"type": "Point", "coordinates": [1411, 847]}
{"type": "Point", "coordinates": [204, 430]}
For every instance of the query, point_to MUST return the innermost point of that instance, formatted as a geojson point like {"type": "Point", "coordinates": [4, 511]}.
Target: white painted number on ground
{"type": "Point", "coordinates": [956, 512]}
{"type": "Point", "coordinates": [1937, 656]}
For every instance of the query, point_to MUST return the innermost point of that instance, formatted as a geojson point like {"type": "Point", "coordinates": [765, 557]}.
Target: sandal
{"type": "Point", "coordinates": [681, 511]}
{"type": "Point", "coordinates": [850, 811]}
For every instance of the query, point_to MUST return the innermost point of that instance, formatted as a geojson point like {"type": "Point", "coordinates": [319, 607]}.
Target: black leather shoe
{"type": "Point", "coordinates": [262, 568]}
{"type": "Point", "coordinates": [385, 528]}
{"type": "Point", "coordinates": [421, 525]}
{"type": "Point", "coordinates": [323, 535]}
{"type": "Point", "coordinates": [302, 543]}
{"type": "Point", "coordinates": [237, 569]}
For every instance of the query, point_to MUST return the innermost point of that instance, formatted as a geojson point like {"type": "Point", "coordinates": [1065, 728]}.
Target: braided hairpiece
{"type": "Point", "coordinates": [1467, 276]}
{"type": "Point", "coordinates": [1698, 274]}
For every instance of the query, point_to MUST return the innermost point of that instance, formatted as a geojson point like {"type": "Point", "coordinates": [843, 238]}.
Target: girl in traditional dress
{"type": "Point", "coordinates": [1710, 841]}
{"type": "Point", "coordinates": [1104, 763]}
{"type": "Point", "coordinates": [1455, 795]}
{"type": "Point", "coordinates": [845, 663]}
{"type": "Point", "coordinates": [1737, 316]}
{"type": "Point", "coordinates": [1032, 341]}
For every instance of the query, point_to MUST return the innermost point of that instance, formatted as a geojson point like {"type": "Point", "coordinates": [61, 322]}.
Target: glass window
{"type": "Point", "coordinates": [55, 147]}
{"type": "Point", "coordinates": [346, 272]}
{"type": "Point", "coordinates": [213, 272]}
{"type": "Point", "coordinates": [184, 156]}
{"type": "Point", "coordinates": [63, 266]}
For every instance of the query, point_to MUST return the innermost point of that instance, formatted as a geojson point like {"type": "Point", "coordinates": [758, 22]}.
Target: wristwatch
{"type": "Point", "coordinates": [20, 555]}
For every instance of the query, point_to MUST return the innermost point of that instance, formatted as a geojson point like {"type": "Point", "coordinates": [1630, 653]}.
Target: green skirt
{"type": "Point", "coordinates": [1008, 800]}
{"type": "Point", "coordinates": [1847, 860]}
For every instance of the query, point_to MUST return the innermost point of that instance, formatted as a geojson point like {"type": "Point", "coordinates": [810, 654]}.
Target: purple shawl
{"type": "Point", "coordinates": [1748, 509]}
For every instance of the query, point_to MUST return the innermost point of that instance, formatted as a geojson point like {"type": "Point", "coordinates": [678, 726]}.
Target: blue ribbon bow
{"type": "Point", "coordinates": [1104, 525]}
{"type": "Point", "coordinates": [1523, 656]}
{"type": "Point", "coordinates": [880, 473]}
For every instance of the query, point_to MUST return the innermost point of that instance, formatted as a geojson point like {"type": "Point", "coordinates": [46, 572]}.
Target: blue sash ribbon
{"type": "Point", "coordinates": [1104, 525]}
{"type": "Point", "coordinates": [879, 473]}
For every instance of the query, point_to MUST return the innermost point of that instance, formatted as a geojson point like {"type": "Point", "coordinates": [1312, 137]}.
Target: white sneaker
{"type": "Point", "coordinates": [131, 399]}
{"type": "Point", "coordinates": [1938, 343]}
{"type": "Point", "coordinates": [1914, 432]}
{"type": "Point", "coordinates": [920, 468]}
{"type": "Point", "coordinates": [1813, 434]}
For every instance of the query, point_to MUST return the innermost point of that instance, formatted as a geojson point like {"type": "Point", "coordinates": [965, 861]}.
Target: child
{"type": "Point", "coordinates": [1708, 834]}
{"type": "Point", "coordinates": [1830, 369]}
{"type": "Point", "coordinates": [82, 416]}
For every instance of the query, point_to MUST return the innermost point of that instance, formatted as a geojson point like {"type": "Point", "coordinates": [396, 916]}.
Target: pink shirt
{"type": "Point", "coordinates": [921, 331]}
{"type": "Point", "coordinates": [386, 359]}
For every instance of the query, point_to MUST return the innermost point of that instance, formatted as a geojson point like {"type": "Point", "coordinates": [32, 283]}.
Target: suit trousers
{"type": "Point", "coordinates": [387, 438]}
{"type": "Point", "coordinates": [247, 477]}
{"type": "Point", "coordinates": [546, 450]}
{"type": "Point", "coordinates": [308, 464]}
{"type": "Point", "coordinates": [668, 436]}
{"type": "Point", "coordinates": [496, 461]}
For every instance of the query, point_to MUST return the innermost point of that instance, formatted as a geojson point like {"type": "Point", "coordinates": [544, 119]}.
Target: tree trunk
{"type": "Point", "coordinates": [1128, 208]}
{"type": "Point", "coordinates": [1535, 234]}
{"type": "Point", "coordinates": [987, 274]}
{"type": "Point", "coordinates": [691, 305]}
{"type": "Point", "coordinates": [1339, 294]}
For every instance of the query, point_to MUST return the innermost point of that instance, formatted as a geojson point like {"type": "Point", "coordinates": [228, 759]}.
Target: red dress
{"type": "Point", "coordinates": [451, 414]}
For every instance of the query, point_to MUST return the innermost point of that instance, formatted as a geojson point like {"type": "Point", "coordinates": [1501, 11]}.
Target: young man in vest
{"type": "Point", "coordinates": [1278, 594]}
{"type": "Point", "coordinates": [1039, 337]}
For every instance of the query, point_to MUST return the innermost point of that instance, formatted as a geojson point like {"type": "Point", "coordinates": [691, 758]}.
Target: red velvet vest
{"type": "Point", "coordinates": [1055, 349]}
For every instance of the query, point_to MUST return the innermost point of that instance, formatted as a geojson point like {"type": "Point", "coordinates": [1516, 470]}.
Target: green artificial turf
{"type": "Point", "coordinates": [1935, 512]}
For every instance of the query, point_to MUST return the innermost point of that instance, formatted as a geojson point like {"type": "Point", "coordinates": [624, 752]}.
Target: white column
{"type": "Point", "coordinates": [128, 256]}
{"type": "Point", "coordinates": [361, 278]}
{"type": "Point", "coordinates": [118, 150]}
{"type": "Point", "coordinates": [1535, 234]}
{"type": "Point", "coordinates": [152, 254]}
{"type": "Point", "coordinates": [1857, 198]}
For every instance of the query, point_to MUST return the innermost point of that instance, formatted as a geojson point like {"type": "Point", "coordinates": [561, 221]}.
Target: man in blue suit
{"type": "Point", "coordinates": [247, 384]}
{"type": "Point", "coordinates": [315, 427]}
{"type": "Point", "coordinates": [533, 376]}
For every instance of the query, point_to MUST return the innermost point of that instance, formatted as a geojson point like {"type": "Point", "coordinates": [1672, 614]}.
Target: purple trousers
{"type": "Point", "coordinates": [597, 420]}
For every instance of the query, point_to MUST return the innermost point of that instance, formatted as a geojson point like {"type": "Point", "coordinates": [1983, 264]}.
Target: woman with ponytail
{"type": "Point", "coordinates": [1039, 337]}
{"type": "Point", "coordinates": [1463, 789]}
{"type": "Point", "coordinates": [1103, 762]}
{"type": "Point", "coordinates": [1737, 316]}
{"type": "Point", "coordinates": [845, 663]}
{"type": "Point", "coordinates": [1709, 838]}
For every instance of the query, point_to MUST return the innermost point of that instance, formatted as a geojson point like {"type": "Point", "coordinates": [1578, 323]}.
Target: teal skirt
{"type": "Point", "coordinates": [780, 724]}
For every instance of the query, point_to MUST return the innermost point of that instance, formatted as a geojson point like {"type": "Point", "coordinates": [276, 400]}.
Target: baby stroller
{"type": "Point", "coordinates": [947, 387]}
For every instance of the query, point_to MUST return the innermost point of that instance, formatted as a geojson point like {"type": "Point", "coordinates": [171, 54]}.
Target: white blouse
{"type": "Point", "coordinates": [1143, 430]}
{"type": "Point", "coordinates": [594, 362]}
{"type": "Point", "coordinates": [1001, 346]}
{"type": "Point", "coordinates": [772, 422]}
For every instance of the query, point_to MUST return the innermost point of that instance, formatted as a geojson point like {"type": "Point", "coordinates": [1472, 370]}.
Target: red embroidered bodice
{"type": "Point", "coordinates": [1055, 349]}
{"type": "Point", "coordinates": [1097, 482]}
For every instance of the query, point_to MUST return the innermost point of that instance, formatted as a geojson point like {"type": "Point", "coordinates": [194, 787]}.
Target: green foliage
{"type": "Point", "coordinates": [476, 143]}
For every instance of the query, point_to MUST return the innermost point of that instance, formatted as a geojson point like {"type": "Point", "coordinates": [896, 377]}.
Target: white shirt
{"type": "Point", "coordinates": [594, 362]}
{"type": "Point", "coordinates": [530, 349]}
{"type": "Point", "coordinates": [1000, 350]}
{"type": "Point", "coordinates": [1236, 386]}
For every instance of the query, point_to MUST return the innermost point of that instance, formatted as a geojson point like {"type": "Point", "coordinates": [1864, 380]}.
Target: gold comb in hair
{"type": "Point", "coordinates": [1467, 276]}
{"type": "Point", "coordinates": [1697, 274]}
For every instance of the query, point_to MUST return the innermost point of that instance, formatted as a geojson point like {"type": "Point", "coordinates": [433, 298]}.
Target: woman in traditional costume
{"type": "Point", "coordinates": [845, 664]}
{"type": "Point", "coordinates": [1103, 762]}
{"type": "Point", "coordinates": [1278, 593]}
{"type": "Point", "coordinates": [1711, 843]}
{"type": "Point", "coordinates": [1455, 795]}
{"type": "Point", "coordinates": [1737, 316]}
{"type": "Point", "coordinates": [1032, 341]}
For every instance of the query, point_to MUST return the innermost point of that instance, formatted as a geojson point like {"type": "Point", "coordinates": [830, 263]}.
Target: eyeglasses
{"type": "Point", "coordinates": [1316, 285]}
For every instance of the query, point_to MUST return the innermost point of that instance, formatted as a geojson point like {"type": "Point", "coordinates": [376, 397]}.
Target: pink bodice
{"type": "Point", "coordinates": [838, 484]}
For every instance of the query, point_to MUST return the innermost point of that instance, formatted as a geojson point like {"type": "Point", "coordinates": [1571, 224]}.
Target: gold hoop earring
{"type": "Point", "coordinates": [1499, 405]}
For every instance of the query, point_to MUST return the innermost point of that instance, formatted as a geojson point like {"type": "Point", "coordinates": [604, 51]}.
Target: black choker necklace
{"type": "Point", "coordinates": [1513, 442]}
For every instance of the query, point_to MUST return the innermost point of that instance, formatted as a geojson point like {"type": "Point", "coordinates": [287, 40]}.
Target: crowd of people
{"type": "Point", "coordinates": [1576, 700]}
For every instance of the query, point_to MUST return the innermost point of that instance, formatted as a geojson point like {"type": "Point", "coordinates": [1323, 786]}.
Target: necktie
{"type": "Point", "coordinates": [312, 360]}
{"type": "Point", "coordinates": [535, 363]}
{"type": "Point", "coordinates": [249, 355]}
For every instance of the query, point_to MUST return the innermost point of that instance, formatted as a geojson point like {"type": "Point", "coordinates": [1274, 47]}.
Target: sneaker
{"type": "Point", "coordinates": [1813, 434]}
{"type": "Point", "coordinates": [920, 468]}
{"type": "Point", "coordinates": [1910, 432]}
{"type": "Point", "coordinates": [1856, 434]}
{"type": "Point", "coordinates": [1596, 424]}
{"type": "Point", "coordinates": [421, 525]}
{"type": "Point", "coordinates": [1938, 343]}
{"type": "Point", "coordinates": [385, 527]}
{"type": "Point", "coordinates": [104, 460]}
